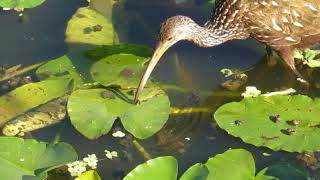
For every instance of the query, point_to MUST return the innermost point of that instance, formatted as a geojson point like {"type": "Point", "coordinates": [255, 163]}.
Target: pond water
{"type": "Point", "coordinates": [41, 37]}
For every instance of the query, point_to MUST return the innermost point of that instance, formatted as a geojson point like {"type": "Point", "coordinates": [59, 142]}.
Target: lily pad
{"type": "Point", "coordinates": [287, 123]}
{"type": "Point", "coordinates": [234, 164]}
{"type": "Point", "coordinates": [124, 70]}
{"type": "Point", "coordinates": [108, 50]}
{"type": "Point", "coordinates": [285, 170]}
{"type": "Point", "coordinates": [90, 27]}
{"type": "Point", "coordinates": [20, 158]}
{"type": "Point", "coordinates": [94, 111]}
{"type": "Point", "coordinates": [30, 96]}
{"type": "Point", "coordinates": [162, 168]}
{"type": "Point", "coordinates": [20, 3]}
{"type": "Point", "coordinates": [89, 175]}
{"type": "Point", "coordinates": [196, 172]}
{"type": "Point", "coordinates": [65, 67]}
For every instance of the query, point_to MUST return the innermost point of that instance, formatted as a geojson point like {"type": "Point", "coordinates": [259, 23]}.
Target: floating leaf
{"type": "Point", "coordinates": [94, 111]}
{"type": "Point", "coordinates": [108, 50]}
{"type": "Point", "coordinates": [162, 168]}
{"type": "Point", "coordinates": [65, 66]}
{"type": "Point", "coordinates": [234, 164]}
{"type": "Point", "coordinates": [20, 158]}
{"type": "Point", "coordinates": [30, 96]}
{"type": "Point", "coordinates": [287, 123]}
{"type": "Point", "coordinates": [287, 171]}
{"type": "Point", "coordinates": [20, 3]}
{"type": "Point", "coordinates": [89, 175]}
{"type": "Point", "coordinates": [89, 27]}
{"type": "Point", "coordinates": [196, 172]}
{"type": "Point", "coordinates": [123, 70]}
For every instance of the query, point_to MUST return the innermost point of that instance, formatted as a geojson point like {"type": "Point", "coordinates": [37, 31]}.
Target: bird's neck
{"type": "Point", "coordinates": [207, 37]}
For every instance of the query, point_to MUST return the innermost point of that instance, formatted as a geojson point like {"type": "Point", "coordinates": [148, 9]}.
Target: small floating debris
{"type": "Point", "coordinates": [288, 131]}
{"type": "Point", "coordinates": [126, 72]}
{"type": "Point", "coordinates": [187, 138]}
{"type": "Point", "coordinates": [111, 154]}
{"type": "Point", "coordinates": [282, 92]}
{"type": "Point", "coordinates": [237, 122]}
{"type": "Point", "coordinates": [275, 118]}
{"type": "Point", "coordinates": [77, 168]}
{"type": "Point", "coordinates": [118, 134]}
{"type": "Point", "coordinates": [251, 91]}
{"type": "Point", "coordinates": [91, 160]}
{"type": "Point", "coordinates": [107, 95]}
{"type": "Point", "coordinates": [266, 154]}
{"type": "Point", "coordinates": [97, 27]}
{"type": "Point", "coordinates": [294, 122]}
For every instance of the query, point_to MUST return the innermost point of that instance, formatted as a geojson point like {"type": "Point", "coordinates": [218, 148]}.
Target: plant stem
{"type": "Point", "coordinates": [141, 149]}
{"type": "Point", "coordinates": [20, 71]}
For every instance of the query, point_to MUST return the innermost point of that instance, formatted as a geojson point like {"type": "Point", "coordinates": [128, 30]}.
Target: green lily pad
{"type": "Point", "coordinates": [89, 175]}
{"type": "Point", "coordinates": [30, 96]}
{"type": "Point", "coordinates": [90, 27]}
{"type": "Point", "coordinates": [254, 121]}
{"type": "Point", "coordinates": [196, 172]}
{"type": "Point", "coordinates": [20, 158]}
{"type": "Point", "coordinates": [108, 50]}
{"type": "Point", "coordinates": [285, 170]}
{"type": "Point", "coordinates": [20, 3]}
{"type": "Point", "coordinates": [94, 111]}
{"type": "Point", "coordinates": [162, 168]}
{"type": "Point", "coordinates": [234, 164]}
{"type": "Point", "coordinates": [66, 66]}
{"type": "Point", "coordinates": [124, 70]}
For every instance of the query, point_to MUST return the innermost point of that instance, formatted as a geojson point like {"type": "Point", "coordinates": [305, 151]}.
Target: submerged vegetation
{"type": "Point", "coordinates": [94, 86]}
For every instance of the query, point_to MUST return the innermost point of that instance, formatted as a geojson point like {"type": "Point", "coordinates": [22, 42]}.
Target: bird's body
{"type": "Point", "coordinates": [283, 25]}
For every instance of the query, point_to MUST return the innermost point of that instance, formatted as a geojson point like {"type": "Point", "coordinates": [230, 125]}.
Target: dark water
{"type": "Point", "coordinates": [42, 37]}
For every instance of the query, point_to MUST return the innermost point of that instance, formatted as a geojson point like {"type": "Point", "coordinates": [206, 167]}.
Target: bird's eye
{"type": "Point", "coordinates": [170, 38]}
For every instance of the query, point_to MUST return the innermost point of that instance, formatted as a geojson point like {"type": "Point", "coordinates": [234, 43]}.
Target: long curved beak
{"type": "Point", "coordinates": [160, 50]}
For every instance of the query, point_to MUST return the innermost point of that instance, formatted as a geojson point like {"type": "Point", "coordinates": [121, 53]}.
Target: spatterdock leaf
{"type": "Point", "coordinates": [94, 111]}
{"type": "Point", "coordinates": [287, 123]}
{"type": "Point", "coordinates": [30, 96]}
{"type": "Point", "coordinates": [20, 157]}
{"type": "Point", "coordinates": [162, 168]}
{"type": "Point", "coordinates": [20, 3]}
{"type": "Point", "coordinates": [124, 70]}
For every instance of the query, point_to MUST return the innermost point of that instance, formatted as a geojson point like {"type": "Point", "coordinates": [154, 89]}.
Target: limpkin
{"type": "Point", "coordinates": [283, 25]}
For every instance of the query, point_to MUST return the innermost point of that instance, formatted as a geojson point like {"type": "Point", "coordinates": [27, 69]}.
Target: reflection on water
{"type": "Point", "coordinates": [190, 74]}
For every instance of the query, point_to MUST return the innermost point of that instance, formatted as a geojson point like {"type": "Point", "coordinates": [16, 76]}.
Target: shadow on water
{"type": "Point", "coordinates": [190, 137]}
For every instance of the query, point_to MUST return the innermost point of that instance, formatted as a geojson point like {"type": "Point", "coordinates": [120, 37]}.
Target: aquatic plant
{"type": "Point", "coordinates": [20, 4]}
{"type": "Point", "coordinates": [280, 122]}
{"type": "Point", "coordinates": [27, 158]}
{"type": "Point", "coordinates": [94, 111]}
{"type": "Point", "coordinates": [238, 161]}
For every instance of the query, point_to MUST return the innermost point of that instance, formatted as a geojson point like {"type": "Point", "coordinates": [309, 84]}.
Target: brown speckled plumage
{"type": "Point", "coordinates": [283, 25]}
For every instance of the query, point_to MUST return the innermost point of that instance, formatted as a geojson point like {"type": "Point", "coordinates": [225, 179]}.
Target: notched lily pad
{"type": "Point", "coordinates": [258, 128]}
{"type": "Point", "coordinates": [124, 70]}
{"type": "Point", "coordinates": [25, 157]}
{"type": "Point", "coordinates": [94, 111]}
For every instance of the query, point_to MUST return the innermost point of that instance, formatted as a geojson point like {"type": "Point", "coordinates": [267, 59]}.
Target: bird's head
{"type": "Point", "coordinates": [171, 31]}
